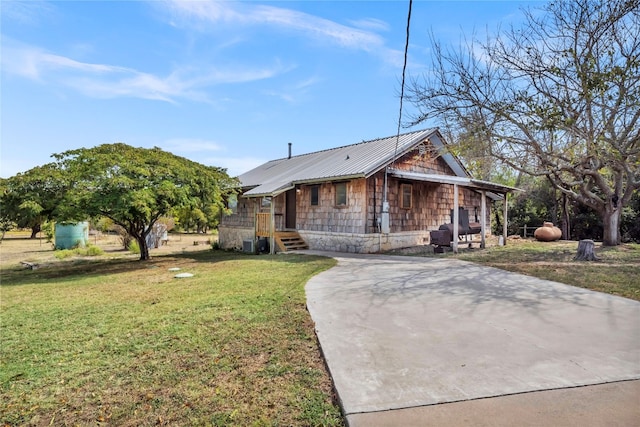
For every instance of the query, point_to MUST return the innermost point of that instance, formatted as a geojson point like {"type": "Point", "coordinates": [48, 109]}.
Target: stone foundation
{"type": "Point", "coordinates": [232, 237]}
{"type": "Point", "coordinates": [363, 243]}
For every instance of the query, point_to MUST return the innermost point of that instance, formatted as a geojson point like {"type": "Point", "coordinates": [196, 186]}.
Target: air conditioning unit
{"type": "Point", "coordinates": [247, 246]}
{"type": "Point", "coordinates": [263, 245]}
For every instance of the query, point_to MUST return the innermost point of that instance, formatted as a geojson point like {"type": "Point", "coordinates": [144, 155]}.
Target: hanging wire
{"type": "Point", "coordinates": [404, 70]}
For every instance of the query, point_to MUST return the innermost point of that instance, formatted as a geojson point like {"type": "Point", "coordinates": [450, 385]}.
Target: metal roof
{"type": "Point", "coordinates": [351, 161]}
{"type": "Point", "coordinates": [468, 182]}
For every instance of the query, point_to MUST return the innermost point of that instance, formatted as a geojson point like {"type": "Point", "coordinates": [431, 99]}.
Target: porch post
{"type": "Point", "coordinates": [256, 209]}
{"type": "Point", "coordinates": [272, 226]}
{"type": "Point", "coordinates": [483, 215]}
{"type": "Point", "coordinates": [454, 244]}
{"type": "Point", "coordinates": [504, 223]}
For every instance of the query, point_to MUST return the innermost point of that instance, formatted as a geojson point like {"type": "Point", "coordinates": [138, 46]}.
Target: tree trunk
{"type": "Point", "coordinates": [144, 249]}
{"type": "Point", "coordinates": [611, 226]}
{"type": "Point", "coordinates": [35, 230]}
{"type": "Point", "coordinates": [585, 251]}
{"type": "Point", "coordinates": [566, 218]}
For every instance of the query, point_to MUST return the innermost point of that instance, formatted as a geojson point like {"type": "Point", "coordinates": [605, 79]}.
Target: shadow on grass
{"type": "Point", "coordinates": [85, 267]}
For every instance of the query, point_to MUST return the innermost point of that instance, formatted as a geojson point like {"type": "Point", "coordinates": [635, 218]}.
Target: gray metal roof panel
{"type": "Point", "coordinates": [361, 159]}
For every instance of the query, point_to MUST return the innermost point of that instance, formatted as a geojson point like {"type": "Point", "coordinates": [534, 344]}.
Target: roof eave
{"type": "Point", "coordinates": [273, 193]}
{"type": "Point", "coordinates": [292, 185]}
{"type": "Point", "coordinates": [330, 179]}
{"type": "Point", "coordinates": [450, 179]}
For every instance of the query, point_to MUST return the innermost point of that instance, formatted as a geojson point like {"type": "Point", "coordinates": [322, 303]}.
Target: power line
{"type": "Point", "coordinates": [404, 70]}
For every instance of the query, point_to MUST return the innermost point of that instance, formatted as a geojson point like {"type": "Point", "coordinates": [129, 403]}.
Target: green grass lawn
{"type": "Point", "coordinates": [122, 342]}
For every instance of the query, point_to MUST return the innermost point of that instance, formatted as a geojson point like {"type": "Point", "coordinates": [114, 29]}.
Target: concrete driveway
{"type": "Point", "coordinates": [404, 335]}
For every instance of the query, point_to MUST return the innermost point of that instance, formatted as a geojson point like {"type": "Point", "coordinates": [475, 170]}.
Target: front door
{"type": "Point", "coordinates": [290, 210]}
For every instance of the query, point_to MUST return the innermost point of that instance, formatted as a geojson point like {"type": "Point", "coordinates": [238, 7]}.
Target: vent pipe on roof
{"type": "Point", "coordinates": [289, 151]}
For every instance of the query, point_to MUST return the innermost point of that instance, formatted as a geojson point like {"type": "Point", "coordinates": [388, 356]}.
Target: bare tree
{"type": "Point", "coordinates": [557, 97]}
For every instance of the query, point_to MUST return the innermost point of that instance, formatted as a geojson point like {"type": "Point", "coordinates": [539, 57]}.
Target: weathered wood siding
{"type": "Point", "coordinates": [326, 216]}
{"type": "Point", "coordinates": [431, 202]}
{"type": "Point", "coordinates": [244, 215]}
{"type": "Point", "coordinates": [423, 163]}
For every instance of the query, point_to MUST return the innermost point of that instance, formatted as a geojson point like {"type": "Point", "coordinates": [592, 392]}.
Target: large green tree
{"type": "Point", "coordinates": [200, 218]}
{"type": "Point", "coordinates": [558, 96]}
{"type": "Point", "coordinates": [134, 187]}
{"type": "Point", "coordinates": [29, 199]}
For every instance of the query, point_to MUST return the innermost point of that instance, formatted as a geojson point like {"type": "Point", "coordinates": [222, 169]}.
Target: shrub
{"type": "Point", "coordinates": [48, 228]}
{"type": "Point", "coordinates": [92, 250]}
{"type": "Point", "coordinates": [125, 237]}
{"type": "Point", "coordinates": [134, 247]}
{"type": "Point", "coordinates": [64, 253]}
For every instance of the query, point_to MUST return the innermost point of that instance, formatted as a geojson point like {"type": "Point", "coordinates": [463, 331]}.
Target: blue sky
{"type": "Point", "coordinates": [227, 84]}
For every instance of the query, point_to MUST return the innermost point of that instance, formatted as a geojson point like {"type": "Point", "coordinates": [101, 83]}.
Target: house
{"type": "Point", "coordinates": [363, 198]}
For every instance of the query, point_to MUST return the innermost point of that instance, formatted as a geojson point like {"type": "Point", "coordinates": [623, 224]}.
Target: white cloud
{"type": "Point", "coordinates": [111, 81]}
{"type": "Point", "coordinates": [317, 27]}
{"type": "Point", "coordinates": [371, 24]}
{"type": "Point", "coordinates": [357, 37]}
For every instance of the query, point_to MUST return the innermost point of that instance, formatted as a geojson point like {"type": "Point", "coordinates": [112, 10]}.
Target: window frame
{"type": "Point", "coordinates": [403, 187]}
{"type": "Point", "coordinates": [314, 189]}
{"type": "Point", "coordinates": [338, 194]}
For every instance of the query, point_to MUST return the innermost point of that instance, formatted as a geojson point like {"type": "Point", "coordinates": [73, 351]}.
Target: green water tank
{"type": "Point", "coordinates": [69, 236]}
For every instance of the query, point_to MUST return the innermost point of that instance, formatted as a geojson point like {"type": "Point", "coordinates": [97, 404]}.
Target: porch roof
{"type": "Point", "coordinates": [493, 188]}
{"type": "Point", "coordinates": [272, 188]}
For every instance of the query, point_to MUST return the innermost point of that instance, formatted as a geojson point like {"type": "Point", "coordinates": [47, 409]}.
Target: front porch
{"type": "Point", "coordinates": [280, 239]}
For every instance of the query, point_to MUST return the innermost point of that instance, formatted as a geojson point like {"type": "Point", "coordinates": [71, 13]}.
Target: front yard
{"type": "Point", "coordinates": [114, 341]}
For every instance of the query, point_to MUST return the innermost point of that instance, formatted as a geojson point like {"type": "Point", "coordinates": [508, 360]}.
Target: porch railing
{"type": "Point", "coordinates": [263, 225]}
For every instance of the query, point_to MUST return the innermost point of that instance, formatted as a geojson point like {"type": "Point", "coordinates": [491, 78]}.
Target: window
{"type": "Point", "coordinates": [232, 203]}
{"type": "Point", "coordinates": [341, 194]}
{"type": "Point", "coordinates": [315, 195]}
{"type": "Point", "coordinates": [406, 196]}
